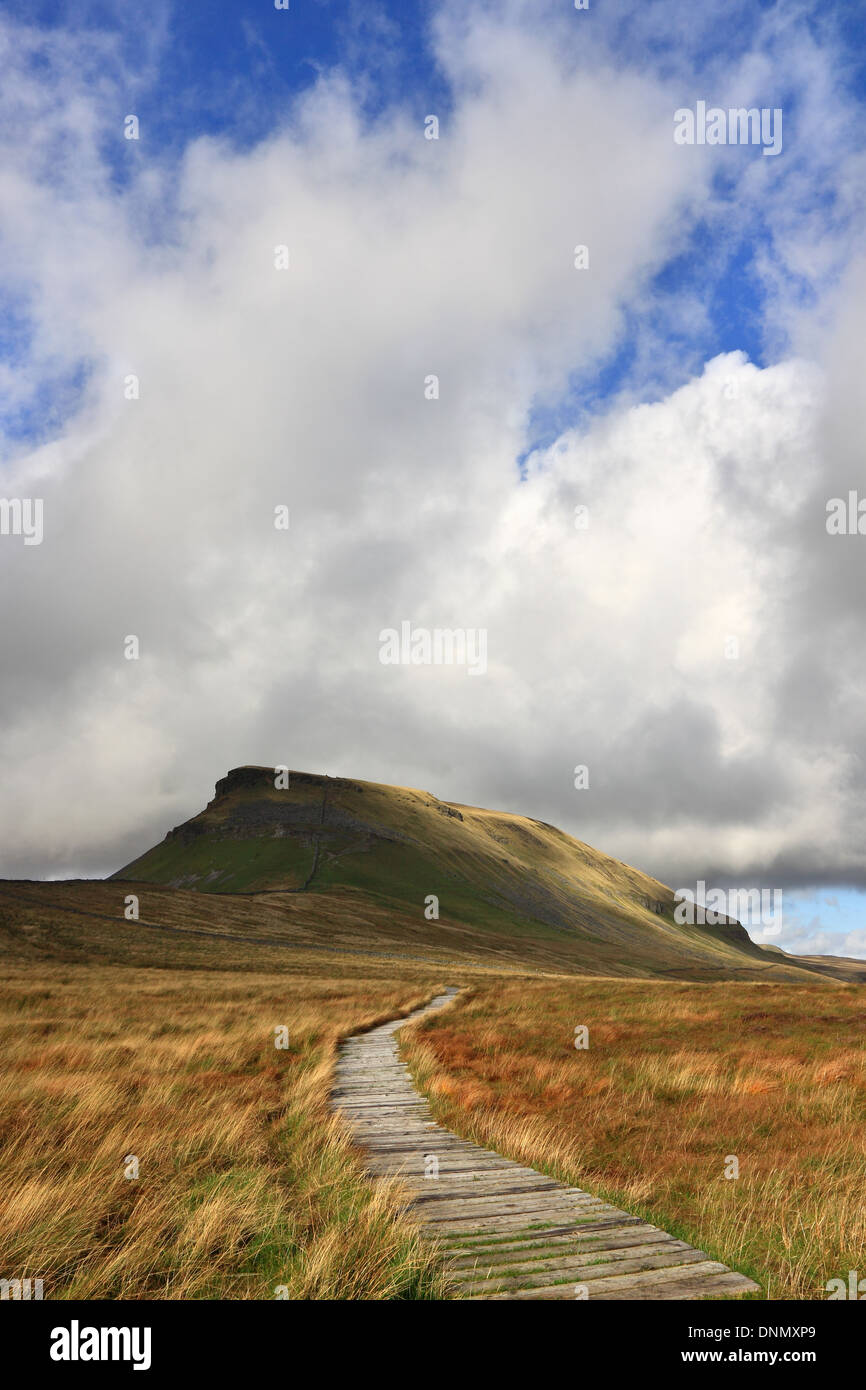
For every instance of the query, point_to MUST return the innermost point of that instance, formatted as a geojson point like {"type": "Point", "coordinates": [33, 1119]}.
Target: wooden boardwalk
{"type": "Point", "coordinates": [509, 1231]}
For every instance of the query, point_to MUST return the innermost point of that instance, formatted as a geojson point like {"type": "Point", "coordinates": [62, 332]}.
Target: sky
{"type": "Point", "coordinates": [284, 295]}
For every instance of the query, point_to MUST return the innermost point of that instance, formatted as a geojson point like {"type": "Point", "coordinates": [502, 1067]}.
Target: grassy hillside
{"type": "Point", "coordinates": [338, 850]}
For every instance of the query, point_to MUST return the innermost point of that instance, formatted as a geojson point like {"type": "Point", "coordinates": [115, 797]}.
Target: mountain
{"type": "Point", "coordinates": [335, 850]}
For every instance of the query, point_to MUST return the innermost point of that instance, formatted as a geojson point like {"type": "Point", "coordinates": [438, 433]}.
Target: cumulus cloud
{"type": "Point", "coordinates": [609, 646]}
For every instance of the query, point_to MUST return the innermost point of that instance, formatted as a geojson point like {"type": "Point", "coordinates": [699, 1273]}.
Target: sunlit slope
{"type": "Point", "coordinates": [499, 873]}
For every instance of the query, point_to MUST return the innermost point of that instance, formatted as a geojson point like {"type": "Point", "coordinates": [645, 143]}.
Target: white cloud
{"type": "Point", "coordinates": [305, 387]}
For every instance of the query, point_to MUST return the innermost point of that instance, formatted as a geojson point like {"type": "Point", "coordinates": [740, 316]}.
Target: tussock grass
{"type": "Point", "coordinates": [676, 1078]}
{"type": "Point", "coordinates": [246, 1182]}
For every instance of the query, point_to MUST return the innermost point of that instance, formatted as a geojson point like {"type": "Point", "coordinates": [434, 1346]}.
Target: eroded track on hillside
{"type": "Point", "coordinates": [509, 1231]}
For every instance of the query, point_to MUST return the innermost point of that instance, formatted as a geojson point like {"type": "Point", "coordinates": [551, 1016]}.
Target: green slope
{"type": "Point", "coordinates": [495, 872]}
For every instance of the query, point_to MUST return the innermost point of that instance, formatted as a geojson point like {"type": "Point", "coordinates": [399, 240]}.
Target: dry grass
{"type": "Point", "coordinates": [245, 1182]}
{"type": "Point", "coordinates": [676, 1079]}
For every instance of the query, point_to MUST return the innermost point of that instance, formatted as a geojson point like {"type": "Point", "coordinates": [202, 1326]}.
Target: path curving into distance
{"type": "Point", "coordinates": [509, 1231]}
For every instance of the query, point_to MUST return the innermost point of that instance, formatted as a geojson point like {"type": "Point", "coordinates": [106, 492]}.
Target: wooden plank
{"type": "Point", "coordinates": [501, 1225]}
{"type": "Point", "coordinates": [541, 1256]}
{"type": "Point", "coordinates": [501, 1195]}
{"type": "Point", "coordinates": [482, 1247]}
{"type": "Point", "coordinates": [461, 1238]}
{"type": "Point", "coordinates": [479, 1209]}
{"type": "Point", "coordinates": [673, 1268]}
{"type": "Point", "coordinates": [521, 1203]}
{"type": "Point", "coordinates": [718, 1285]}
{"type": "Point", "coordinates": [456, 1167]}
{"type": "Point", "coordinates": [579, 1269]}
{"type": "Point", "coordinates": [728, 1285]}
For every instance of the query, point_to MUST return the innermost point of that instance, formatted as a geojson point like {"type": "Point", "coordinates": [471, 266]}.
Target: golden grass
{"type": "Point", "coordinates": [676, 1078]}
{"type": "Point", "coordinates": [246, 1183]}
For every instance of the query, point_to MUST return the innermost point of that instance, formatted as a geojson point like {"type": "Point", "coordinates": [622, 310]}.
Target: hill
{"type": "Point", "coordinates": [350, 861]}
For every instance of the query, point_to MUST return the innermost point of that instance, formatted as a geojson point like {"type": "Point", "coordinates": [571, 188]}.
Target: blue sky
{"type": "Point", "coordinates": [117, 250]}
{"type": "Point", "coordinates": [213, 59]}
{"type": "Point", "coordinates": [234, 72]}
{"type": "Point", "coordinates": [824, 920]}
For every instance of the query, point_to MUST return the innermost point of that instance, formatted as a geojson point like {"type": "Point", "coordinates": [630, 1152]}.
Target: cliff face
{"type": "Point", "coordinates": [247, 804]}
{"type": "Point", "coordinates": [247, 779]}
{"type": "Point", "coordinates": [244, 780]}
